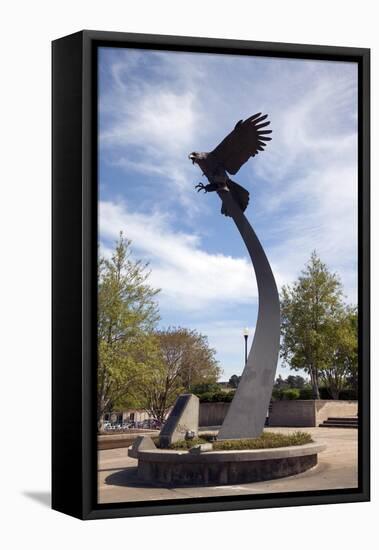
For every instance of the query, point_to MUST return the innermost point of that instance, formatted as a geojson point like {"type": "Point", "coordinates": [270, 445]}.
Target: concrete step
{"type": "Point", "coordinates": [351, 426]}
{"type": "Point", "coordinates": [340, 422]}
{"type": "Point", "coordinates": [344, 418]}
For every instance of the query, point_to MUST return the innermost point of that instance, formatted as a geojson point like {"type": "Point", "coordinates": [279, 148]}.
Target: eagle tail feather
{"type": "Point", "coordinates": [239, 194]}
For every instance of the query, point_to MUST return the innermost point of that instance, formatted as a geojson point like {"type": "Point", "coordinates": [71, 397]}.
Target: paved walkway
{"type": "Point", "coordinates": [337, 468]}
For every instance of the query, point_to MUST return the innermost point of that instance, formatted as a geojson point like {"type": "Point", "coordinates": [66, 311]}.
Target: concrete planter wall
{"type": "Point", "coordinates": [309, 413]}
{"type": "Point", "coordinates": [116, 441]}
{"type": "Point", "coordinates": [176, 468]}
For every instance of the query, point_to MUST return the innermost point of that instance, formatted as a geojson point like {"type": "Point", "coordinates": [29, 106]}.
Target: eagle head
{"type": "Point", "coordinates": [196, 157]}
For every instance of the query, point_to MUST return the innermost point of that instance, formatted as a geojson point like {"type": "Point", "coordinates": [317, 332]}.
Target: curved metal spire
{"type": "Point", "coordinates": [247, 412]}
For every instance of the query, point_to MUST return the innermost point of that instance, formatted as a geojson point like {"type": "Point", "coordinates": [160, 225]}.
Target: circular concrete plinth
{"type": "Point", "coordinates": [225, 467]}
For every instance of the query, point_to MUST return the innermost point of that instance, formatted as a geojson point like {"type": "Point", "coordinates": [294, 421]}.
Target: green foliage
{"type": "Point", "coordinates": [283, 388]}
{"type": "Point", "coordinates": [234, 380]}
{"type": "Point", "coordinates": [208, 437]}
{"type": "Point", "coordinates": [291, 393]}
{"type": "Point", "coordinates": [319, 333]}
{"type": "Point", "coordinates": [185, 360]}
{"type": "Point", "coordinates": [342, 368]}
{"type": "Point", "coordinates": [290, 382]}
{"type": "Point", "coordinates": [325, 393]}
{"type": "Point", "coordinates": [348, 395]}
{"type": "Point", "coordinates": [224, 397]}
{"type": "Point", "coordinates": [218, 396]}
{"type": "Point", "coordinates": [268, 440]}
{"type": "Point", "coordinates": [306, 393]}
{"type": "Point", "coordinates": [127, 315]}
{"type": "Point", "coordinates": [276, 394]}
{"type": "Point", "coordinates": [187, 443]}
{"type": "Point", "coordinates": [138, 365]}
{"type": "Point", "coordinates": [295, 381]}
{"type": "Point", "coordinates": [199, 389]}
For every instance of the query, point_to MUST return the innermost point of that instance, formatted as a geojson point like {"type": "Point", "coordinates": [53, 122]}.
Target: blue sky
{"type": "Point", "coordinates": [155, 108]}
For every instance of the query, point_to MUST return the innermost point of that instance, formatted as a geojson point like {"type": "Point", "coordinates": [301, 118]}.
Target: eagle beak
{"type": "Point", "coordinates": [192, 157]}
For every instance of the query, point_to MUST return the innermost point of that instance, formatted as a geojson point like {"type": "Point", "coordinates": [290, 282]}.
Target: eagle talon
{"type": "Point", "coordinates": [200, 186]}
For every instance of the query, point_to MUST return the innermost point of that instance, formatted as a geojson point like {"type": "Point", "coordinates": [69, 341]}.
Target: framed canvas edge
{"type": "Point", "coordinates": [87, 507]}
{"type": "Point", "coordinates": [67, 365]}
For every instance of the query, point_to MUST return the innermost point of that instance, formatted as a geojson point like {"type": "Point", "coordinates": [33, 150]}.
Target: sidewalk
{"type": "Point", "coordinates": [337, 469]}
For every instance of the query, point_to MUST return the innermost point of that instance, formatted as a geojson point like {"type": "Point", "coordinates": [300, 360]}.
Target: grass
{"type": "Point", "coordinates": [268, 440]}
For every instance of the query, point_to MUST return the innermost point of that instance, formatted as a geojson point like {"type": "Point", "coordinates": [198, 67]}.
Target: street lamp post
{"type": "Point", "coordinates": [246, 335]}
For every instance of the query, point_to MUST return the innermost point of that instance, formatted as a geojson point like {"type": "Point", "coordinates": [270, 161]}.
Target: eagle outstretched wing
{"type": "Point", "coordinates": [245, 141]}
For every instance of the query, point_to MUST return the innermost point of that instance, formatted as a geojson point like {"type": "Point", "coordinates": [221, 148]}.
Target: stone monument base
{"type": "Point", "coordinates": [183, 418]}
{"type": "Point", "coordinates": [174, 468]}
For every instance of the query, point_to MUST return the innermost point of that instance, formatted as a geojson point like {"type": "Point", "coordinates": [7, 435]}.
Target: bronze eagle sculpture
{"type": "Point", "coordinates": [246, 140]}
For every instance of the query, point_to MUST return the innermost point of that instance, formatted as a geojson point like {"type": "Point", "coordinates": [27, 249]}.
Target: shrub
{"type": "Point", "coordinates": [276, 394]}
{"type": "Point", "coordinates": [285, 393]}
{"type": "Point", "coordinates": [187, 443]}
{"type": "Point", "coordinates": [205, 397]}
{"type": "Point", "coordinates": [306, 393]}
{"type": "Point", "coordinates": [205, 388]}
{"type": "Point", "coordinates": [324, 393]}
{"type": "Point", "coordinates": [216, 397]}
{"type": "Point", "coordinates": [209, 437]}
{"type": "Point", "coordinates": [291, 393]}
{"type": "Point", "coordinates": [223, 397]}
{"type": "Point", "coordinates": [267, 440]}
{"type": "Point", "coordinates": [348, 395]}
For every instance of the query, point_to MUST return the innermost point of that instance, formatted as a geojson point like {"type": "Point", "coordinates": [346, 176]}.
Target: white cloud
{"type": "Point", "coordinates": [158, 119]}
{"type": "Point", "coordinates": [190, 278]}
{"type": "Point", "coordinates": [313, 130]}
{"type": "Point", "coordinates": [153, 123]}
{"type": "Point", "coordinates": [310, 177]}
{"type": "Point", "coordinates": [326, 220]}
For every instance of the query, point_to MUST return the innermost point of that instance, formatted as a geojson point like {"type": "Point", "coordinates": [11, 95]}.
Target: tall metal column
{"type": "Point", "coordinates": [247, 412]}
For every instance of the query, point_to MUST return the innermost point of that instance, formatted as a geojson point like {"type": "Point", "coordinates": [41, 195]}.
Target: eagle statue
{"type": "Point", "coordinates": [246, 140]}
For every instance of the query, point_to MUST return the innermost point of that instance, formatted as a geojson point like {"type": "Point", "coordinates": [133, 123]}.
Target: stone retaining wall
{"type": "Point", "coordinates": [212, 414]}
{"type": "Point", "coordinates": [309, 413]}
{"type": "Point", "coordinates": [296, 413]}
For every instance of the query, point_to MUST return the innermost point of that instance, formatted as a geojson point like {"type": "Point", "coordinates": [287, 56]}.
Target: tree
{"type": "Point", "coordinates": [127, 317]}
{"type": "Point", "coordinates": [280, 383]}
{"type": "Point", "coordinates": [342, 367]}
{"type": "Point", "coordinates": [290, 382]}
{"type": "Point", "coordinates": [308, 308]}
{"type": "Point", "coordinates": [295, 381]}
{"type": "Point", "coordinates": [185, 360]}
{"type": "Point", "coordinates": [234, 380]}
{"type": "Point", "coordinates": [352, 371]}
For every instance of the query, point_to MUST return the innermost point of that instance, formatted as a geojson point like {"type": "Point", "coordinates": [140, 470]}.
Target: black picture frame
{"type": "Point", "coordinates": [74, 205]}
